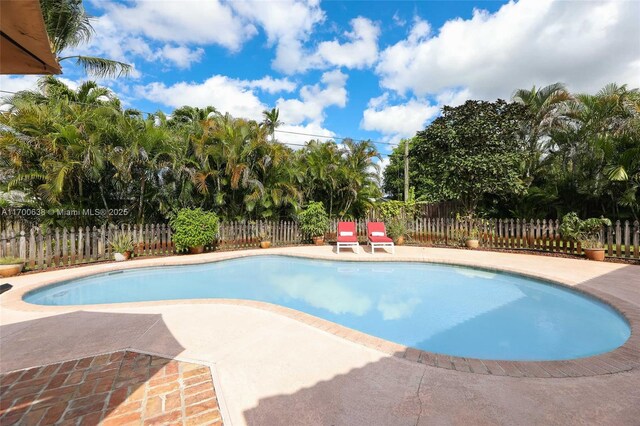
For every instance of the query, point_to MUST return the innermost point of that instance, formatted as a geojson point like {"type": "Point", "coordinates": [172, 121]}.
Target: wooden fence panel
{"type": "Point", "coordinates": [50, 248]}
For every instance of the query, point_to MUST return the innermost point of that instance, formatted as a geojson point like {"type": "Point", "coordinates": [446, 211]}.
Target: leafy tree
{"type": "Point", "coordinates": [469, 151]}
{"type": "Point", "coordinates": [393, 175]}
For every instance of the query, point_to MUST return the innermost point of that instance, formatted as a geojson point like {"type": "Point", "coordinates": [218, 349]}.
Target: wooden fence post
{"type": "Point", "coordinates": [23, 247]}
{"type": "Point", "coordinates": [65, 247]}
{"type": "Point", "coordinates": [618, 238]}
{"type": "Point", "coordinates": [627, 239]}
{"type": "Point", "coordinates": [32, 248]}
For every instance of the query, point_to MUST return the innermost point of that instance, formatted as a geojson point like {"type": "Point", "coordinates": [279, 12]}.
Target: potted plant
{"type": "Point", "coordinates": [122, 246]}
{"type": "Point", "coordinates": [397, 230]}
{"type": "Point", "coordinates": [10, 266]}
{"type": "Point", "coordinates": [588, 232]}
{"type": "Point", "coordinates": [193, 228]}
{"type": "Point", "coordinates": [265, 237]}
{"type": "Point", "coordinates": [472, 240]}
{"type": "Point", "coordinates": [314, 222]}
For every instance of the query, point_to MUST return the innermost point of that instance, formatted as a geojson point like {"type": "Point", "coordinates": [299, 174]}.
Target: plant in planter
{"type": "Point", "coordinates": [588, 232]}
{"type": "Point", "coordinates": [472, 241]}
{"type": "Point", "coordinates": [10, 266]}
{"type": "Point", "coordinates": [193, 229]}
{"type": "Point", "coordinates": [265, 237]}
{"type": "Point", "coordinates": [471, 238]}
{"type": "Point", "coordinates": [122, 246]}
{"type": "Point", "coordinates": [314, 222]}
{"type": "Point", "coordinates": [397, 229]}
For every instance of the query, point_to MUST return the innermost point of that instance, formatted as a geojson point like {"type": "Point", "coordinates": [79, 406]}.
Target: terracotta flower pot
{"type": "Point", "coordinates": [473, 244]}
{"type": "Point", "coordinates": [265, 244]}
{"type": "Point", "coordinates": [594, 254]}
{"type": "Point", "coordinates": [319, 241]}
{"type": "Point", "coordinates": [7, 271]}
{"type": "Point", "coordinates": [127, 254]}
{"type": "Point", "coordinates": [399, 241]}
{"type": "Point", "coordinates": [196, 250]}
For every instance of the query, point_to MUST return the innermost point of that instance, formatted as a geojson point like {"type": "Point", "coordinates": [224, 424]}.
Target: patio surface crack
{"type": "Point", "coordinates": [418, 395]}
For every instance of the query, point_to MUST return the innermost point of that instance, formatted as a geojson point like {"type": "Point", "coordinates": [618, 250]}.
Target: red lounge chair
{"type": "Point", "coordinates": [377, 236]}
{"type": "Point", "coordinates": [347, 236]}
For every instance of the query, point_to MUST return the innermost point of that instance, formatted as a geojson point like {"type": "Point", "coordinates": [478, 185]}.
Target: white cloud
{"type": "Point", "coordinates": [224, 93]}
{"type": "Point", "coordinates": [239, 98]}
{"type": "Point", "coordinates": [383, 164]}
{"type": "Point", "coordinates": [181, 56]}
{"type": "Point", "coordinates": [361, 49]}
{"type": "Point", "coordinates": [452, 97]}
{"type": "Point", "coordinates": [130, 30]}
{"type": "Point", "coordinates": [314, 99]}
{"type": "Point", "coordinates": [287, 25]}
{"type": "Point", "coordinates": [117, 43]}
{"type": "Point", "coordinates": [398, 20]}
{"type": "Point", "coordinates": [187, 21]}
{"type": "Point", "coordinates": [11, 83]}
{"type": "Point", "coordinates": [397, 121]}
{"type": "Point", "coordinates": [16, 83]}
{"type": "Point", "coordinates": [522, 44]}
{"type": "Point", "coordinates": [273, 85]}
{"type": "Point", "coordinates": [127, 31]}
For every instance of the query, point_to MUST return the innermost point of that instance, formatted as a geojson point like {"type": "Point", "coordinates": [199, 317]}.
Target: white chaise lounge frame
{"type": "Point", "coordinates": [381, 245]}
{"type": "Point", "coordinates": [354, 244]}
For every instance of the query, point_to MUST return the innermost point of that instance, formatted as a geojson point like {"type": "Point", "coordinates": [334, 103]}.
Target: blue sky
{"type": "Point", "coordinates": [364, 69]}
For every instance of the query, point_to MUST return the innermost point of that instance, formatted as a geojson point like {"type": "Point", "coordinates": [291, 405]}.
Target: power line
{"type": "Point", "coordinates": [334, 137]}
{"type": "Point", "coordinates": [276, 130]}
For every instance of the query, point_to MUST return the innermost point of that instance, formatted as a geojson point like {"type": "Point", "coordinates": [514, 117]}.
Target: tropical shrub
{"type": "Point", "coordinates": [587, 231]}
{"type": "Point", "coordinates": [194, 228]}
{"type": "Point", "coordinates": [394, 209]}
{"type": "Point", "coordinates": [121, 243]}
{"type": "Point", "coordinates": [389, 209]}
{"type": "Point", "coordinates": [10, 260]}
{"type": "Point", "coordinates": [314, 220]}
{"type": "Point", "coordinates": [396, 228]}
{"type": "Point", "coordinates": [265, 233]}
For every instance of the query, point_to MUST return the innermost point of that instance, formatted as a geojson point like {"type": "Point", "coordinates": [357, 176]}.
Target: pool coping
{"type": "Point", "coordinates": [623, 358]}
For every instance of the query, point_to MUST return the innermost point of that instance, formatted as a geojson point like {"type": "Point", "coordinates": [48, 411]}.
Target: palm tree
{"type": "Point", "coordinates": [68, 27]}
{"type": "Point", "coordinates": [188, 115]}
{"type": "Point", "coordinates": [607, 149]}
{"type": "Point", "coordinates": [546, 108]}
{"type": "Point", "coordinates": [57, 143]}
{"type": "Point", "coordinates": [271, 121]}
{"type": "Point", "coordinates": [363, 175]}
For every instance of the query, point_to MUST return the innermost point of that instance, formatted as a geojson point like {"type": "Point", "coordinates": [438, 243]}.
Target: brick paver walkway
{"type": "Point", "coordinates": [112, 389]}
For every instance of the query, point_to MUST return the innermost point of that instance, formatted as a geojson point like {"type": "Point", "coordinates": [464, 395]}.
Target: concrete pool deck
{"type": "Point", "coordinates": [271, 368]}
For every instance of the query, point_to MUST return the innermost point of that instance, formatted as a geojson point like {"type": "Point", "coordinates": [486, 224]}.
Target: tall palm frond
{"type": "Point", "coordinates": [68, 27]}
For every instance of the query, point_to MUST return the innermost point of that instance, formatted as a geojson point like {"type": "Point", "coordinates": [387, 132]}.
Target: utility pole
{"type": "Point", "coordinates": [406, 170]}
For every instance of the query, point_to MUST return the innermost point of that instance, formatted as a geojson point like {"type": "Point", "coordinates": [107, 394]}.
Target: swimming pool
{"type": "Point", "coordinates": [439, 308]}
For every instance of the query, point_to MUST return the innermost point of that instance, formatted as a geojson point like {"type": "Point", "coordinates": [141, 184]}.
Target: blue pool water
{"type": "Point", "coordinates": [444, 309]}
